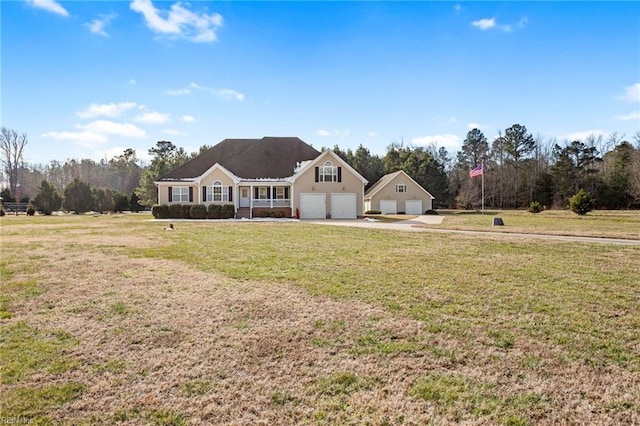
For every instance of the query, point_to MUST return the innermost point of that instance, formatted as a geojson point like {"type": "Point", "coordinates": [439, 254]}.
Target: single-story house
{"type": "Point", "coordinates": [397, 192]}
{"type": "Point", "coordinates": [281, 175]}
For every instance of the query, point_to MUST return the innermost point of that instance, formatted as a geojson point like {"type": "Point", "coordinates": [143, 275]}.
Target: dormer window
{"type": "Point", "coordinates": [401, 187]}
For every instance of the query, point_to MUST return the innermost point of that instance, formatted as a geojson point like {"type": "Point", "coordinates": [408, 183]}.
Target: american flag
{"type": "Point", "coordinates": [475, 172]}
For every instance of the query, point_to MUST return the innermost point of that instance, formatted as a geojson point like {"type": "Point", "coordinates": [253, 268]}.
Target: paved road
{"type": "Point", "coordinates": [409, 226]}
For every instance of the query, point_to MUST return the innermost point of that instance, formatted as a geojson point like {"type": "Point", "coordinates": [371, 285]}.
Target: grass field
{"type": "Point", "coordinates": [111, 319]}
{"type": "Point", "coordinates": [623, 224]}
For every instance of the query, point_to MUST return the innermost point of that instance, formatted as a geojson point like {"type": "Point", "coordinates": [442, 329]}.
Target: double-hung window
{"type": "Point", "coordinates": [401, 187]}
{"type": "Point", "coordinates": [328, 173]}
{"type": "Point", "coordinates": [180, 194]}
{"type": "Point", "coordinates": [217, 192]}
{"type": "Point", "coordinates": [280, 193]}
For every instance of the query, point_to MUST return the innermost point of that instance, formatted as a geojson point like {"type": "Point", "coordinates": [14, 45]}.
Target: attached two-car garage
{"type": "Point", "coordinates": [314, 206]}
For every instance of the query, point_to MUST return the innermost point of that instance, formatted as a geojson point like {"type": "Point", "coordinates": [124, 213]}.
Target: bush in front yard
{"type": "Point", "coordinates": [160, 211]}
{"type": "Point", "coordinates": [372, 212]}
{"type": "Point", "coordinates": [214, 211]}
{"type": "Point", "coordinates": [228, 211]}
{"type": "Point", "coordinates": [581, 203]}
{"type": "Point", "coordinates": [535, 207]}
{"type": "Point", "coordinates": [199, 211]}
{"type": "Point", "coordinates": [186, 211]}
{"type": "Point", "coordinates": [175, 211]}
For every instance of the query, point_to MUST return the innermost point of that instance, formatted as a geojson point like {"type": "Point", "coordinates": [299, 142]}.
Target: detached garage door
{"type": "Point", "coordinates": [413, 207]}
{"type": "Point", "coordinates": [343, 206]}
{"type": "Point", "coordinates": [313, 206]}
{"type": "Point", "coordinates": [388, 207]}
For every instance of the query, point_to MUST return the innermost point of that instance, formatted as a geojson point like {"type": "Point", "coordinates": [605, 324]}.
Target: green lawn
{"type": "Point", "coordinates": [612, 224]}
{"type": "Point", "coordinates": [507, 331]}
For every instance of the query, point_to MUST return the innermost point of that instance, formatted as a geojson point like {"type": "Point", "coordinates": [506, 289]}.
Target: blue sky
{"type": "Point", "coordinates": [90, 79]}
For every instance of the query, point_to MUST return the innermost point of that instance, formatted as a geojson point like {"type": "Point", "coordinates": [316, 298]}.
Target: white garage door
{"type": "Point", "coordinates": [343, 206]}
{"type": "Point", "coordinates": [388, 207]}
{"type": "Point", "coordinates": [313, 206]}
{"type": "Point", "coordinates": [413, 207]}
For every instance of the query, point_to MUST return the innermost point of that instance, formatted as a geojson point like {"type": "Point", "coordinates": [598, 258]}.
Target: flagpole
{"type": "Point", "coordinates": [482, 186]}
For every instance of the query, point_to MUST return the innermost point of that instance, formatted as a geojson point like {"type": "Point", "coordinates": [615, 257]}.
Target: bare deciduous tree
{"type": "Point", "coordinates": [11, 147]}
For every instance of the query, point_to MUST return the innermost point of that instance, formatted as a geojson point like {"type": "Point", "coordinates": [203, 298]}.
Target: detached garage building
{"type": "Point", "coordinates": [398, 193]}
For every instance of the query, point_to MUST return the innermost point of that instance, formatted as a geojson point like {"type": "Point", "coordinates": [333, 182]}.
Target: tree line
{"type": "Point", "coordinates": [519, 169]}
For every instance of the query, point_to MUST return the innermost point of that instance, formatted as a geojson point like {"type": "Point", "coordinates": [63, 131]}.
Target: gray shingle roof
{"type": "Point", "coordinates": [269, 157]}
{"type": "Point", "coordinates": [384, 180]}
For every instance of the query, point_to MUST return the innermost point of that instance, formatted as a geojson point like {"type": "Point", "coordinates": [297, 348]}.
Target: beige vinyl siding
{"type": "Point", "coordinates": [163, 192]}
{"type": "Point", "coordinates": [350, 183]}
{"type": "Point", "coordinates": [216, 175]}
{"type": "Point", "coordinates": [413, 192]}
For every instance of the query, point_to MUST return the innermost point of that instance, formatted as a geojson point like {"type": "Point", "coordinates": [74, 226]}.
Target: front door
{"type": "Point", "coordinates": [245, 194]}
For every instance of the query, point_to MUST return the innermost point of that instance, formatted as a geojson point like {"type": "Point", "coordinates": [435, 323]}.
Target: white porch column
{"type": "Point", "coordinates": [251, 201]}
{"type": "Point", "coordinates": [271, 195]}
{"type": "Point", "coordinates": [291, 203]}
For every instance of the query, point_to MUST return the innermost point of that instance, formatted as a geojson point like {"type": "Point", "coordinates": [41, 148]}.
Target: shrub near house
{"type": "Point", "coordinates": [196, 211]}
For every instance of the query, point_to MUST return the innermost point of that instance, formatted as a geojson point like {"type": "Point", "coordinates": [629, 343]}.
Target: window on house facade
{"type": "Point", "coordinates": [401, 187]}
{"type": "Point", "coordinates": [280, 193]}
{"type": "Point", "coordinates": [263, 193]}
{"type": "Point", "coordinates": [217, 192]}
{"type": "Point", "coordinates": [180, 194]}
{"type": "Point", "coordinates": [328, 173]}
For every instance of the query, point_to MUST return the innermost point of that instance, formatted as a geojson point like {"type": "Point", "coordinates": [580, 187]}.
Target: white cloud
{"type": "Point", "coordinates": [230, 94]}
{"type": "Point", "coordinates": [84, 138]}
{"type": "Point", "coordinates": [153, 117]}
{"type": "Point", "coordinates": [132, 82]}
{"type": "Point", "coordinates": [179, 21]}
{"type": "Point", "coordinates": [446, 140]}
{"type": "Point", "coordinates": [491, 23]}
{"type": "Point", "coordinates": [187, 118]}
{"type": "Point", "coordinates": [633, 115]}
{"type": "Point", "coordinates": [97, 26]}
{"type": "Point", "coordinates": [221, 93]}
{"type": "Point", "coordinates": [371, 135]}
{"type": "Point", "coordinates": [341, 133]}
{"type": "Point", "coordinates": [106, 110]}
{"type": "Point", "coordinates": [49, 5]}
{"type": "Point", "coordinates": [582, 135]}
{"type": "Point", "coordinates": [485, 23]}
{"type": "Point", "coordinates": [478, 126]}
{"type": "Point", "coordinates": [106, 127]}
{"type": "Point", "coordinates": [631, 93]}
{"type": "Point", "coordinates": [173, 132]}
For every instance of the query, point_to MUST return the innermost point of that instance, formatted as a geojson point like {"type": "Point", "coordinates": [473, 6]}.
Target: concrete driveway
{"type": "Point", "coordinates": [410, 226]}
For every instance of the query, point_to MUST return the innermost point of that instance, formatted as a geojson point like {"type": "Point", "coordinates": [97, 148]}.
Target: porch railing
{"type": "Point", "coordinates": [276, 203]}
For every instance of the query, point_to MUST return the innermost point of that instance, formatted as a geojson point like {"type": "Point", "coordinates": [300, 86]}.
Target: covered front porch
{"type": "Point", "coordinates": [259, 199]}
